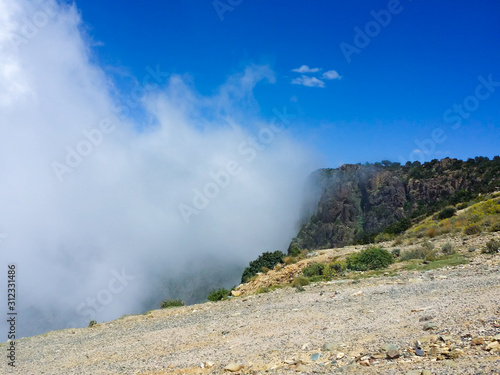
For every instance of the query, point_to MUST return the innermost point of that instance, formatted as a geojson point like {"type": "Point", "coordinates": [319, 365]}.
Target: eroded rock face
{"type": "Point", "coordinates": [356, 201]}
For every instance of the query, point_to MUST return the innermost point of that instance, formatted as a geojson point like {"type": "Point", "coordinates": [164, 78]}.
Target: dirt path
{"type": "Point", "coordinates": [283, 331]}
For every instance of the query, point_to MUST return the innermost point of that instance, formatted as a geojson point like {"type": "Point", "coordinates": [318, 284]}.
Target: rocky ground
{"type": "Point", "coordinates": [442, 321]}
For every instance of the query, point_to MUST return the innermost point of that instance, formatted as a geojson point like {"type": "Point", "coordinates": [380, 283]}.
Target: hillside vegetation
{"type": "Point", "coordinates": [356, 203]}
{"type": "Point", "coordinates": [465, 231]}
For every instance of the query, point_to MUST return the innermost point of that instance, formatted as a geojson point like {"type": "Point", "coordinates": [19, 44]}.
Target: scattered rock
{"type": "Point", "coordinates": [414, 372]}
{"type": "Point", "coordinates": [493, 346]}
{"type": "Point", "coordinates": [426, 318]}
{"type": "Point", "coordinates": [419, 352]}
{"type": "Point", "coordinates": [302, 368]}
{"type": "Point", "coordinates": [378, 355]}
{"type": "Point", "coordinates": [208, 364]}
{"type": "Point", "coordinates": [429, 326]}
{"type": "Point", "coordinates": [233, 367]}
{"type": "Point", "coordinates": [328, 347]}
{"type": "Point", "coordinates": [446, 338]}
{"type": "Point", "coordinates": [477, 341]}
{"type": "Point", "coordinates": [389, 347]}
{"type": "Point", "coordinates": [426, 372]}
{"type": "Point", "coordinates": [315, 356]}
{"type": "Point", "coordinates": [450, 363]}
{"type": "Point", "coordinates": [340, 355]}
{"type": "Point", "coordinates": [235, 293]}
{"type": "Point", "coordinates": [393, 354]}
{"type": "Point", "coordinates": [427, 339]}
{"type": "Point", "coordinates": [357, 294]}
{"type": "Point", "coordinates": [365, 362]}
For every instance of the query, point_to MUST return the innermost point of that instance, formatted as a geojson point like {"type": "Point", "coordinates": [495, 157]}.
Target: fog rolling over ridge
{"type": "Point", "coordinates": [100, 211]}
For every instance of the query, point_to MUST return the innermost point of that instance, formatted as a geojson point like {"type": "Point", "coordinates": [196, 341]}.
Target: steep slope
{"type": "Point", "coordinates": [356, 202]}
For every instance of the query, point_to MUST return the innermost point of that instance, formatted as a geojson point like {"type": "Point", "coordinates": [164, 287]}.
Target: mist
{"type": "Point", "coordinates": [112, 201]}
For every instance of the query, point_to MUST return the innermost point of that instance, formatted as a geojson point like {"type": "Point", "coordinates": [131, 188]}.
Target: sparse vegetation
{"type": "Point", "coordinates": [267, 259]}
{"type": "Point", "coordinates": [448, 261]}
{"type": "Point", "coordinates": [314, 269]}
{"type": "Point", "coordinates": [267, 289]}
{"type": "Point", "coordinates": [425, 251]}
{"type": "Point", "coordinates": [492, 247]}
{"type": "Point", "coordinates": [168, 303]}
{"type": "Point", "coordinates": [382, 237]}
{"type": "Point", "coordinates": [218, 295]}
{"type": "Point", "coordinates": [369, 259]}
{"type": "Point", "coordinates": [446, 213]}
{"type": "Point", "coordinates": [432, 232]}
{"type": "Point", "coordinates": [92, 323]}
{"type": "Point", "coordinates": [335, 269]}
{"type": "Point", "coordinates": [398, 241]}
{"type": "Point", "coordinates": [495, 227]}
{"type": "Point", "coordinates": [300, 281]}
{"type": "Point", "coordinates": [481, 217]}
{"type": "Point", "coordinates": [448, 249]}
{"type": "Point", "coordinates": [472, 229]}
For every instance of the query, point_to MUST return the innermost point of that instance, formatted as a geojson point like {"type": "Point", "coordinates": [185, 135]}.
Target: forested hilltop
{"type": "Point", "coordinates": [357, 204]}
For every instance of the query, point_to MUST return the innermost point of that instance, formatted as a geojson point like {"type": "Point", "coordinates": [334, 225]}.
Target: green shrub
{"type": "Point", "coordinates": [218, 295]}
{"type": "Point", "coordinates": [171, 303]}
{"type": "Point", "coordinates": [461, 206]}
{"type": "Point", "coordinates": [428, 246]}
{"type": "Point", "coordinates": [334, 269]}
{"type": "Point", "coordinates": [495, 227]}
{"type": "Point", "coordinates": [300, 281]}
{"type": "Point", "coordinates": [417, 253]}
{"type": "Point", "coordinates": [448, 249]}
{"type": "Point", "coordinates": [398, 227]}
{"type": "Point", "coordinates": [92, 323]}
{"type": "Point", "coordinates": [398, 241]}
{"type": "Point", "coordinates": [382, 237]}
{"type": "Point", "coordinates": [294, 251]}
{"type": "Point", "coordinates": [431, 256]}
{"type": "Point", "coordinates": [472, 229]}
{"type": "Point", "coordinates": [426, 251]}
{"type": "Point", "coordinates": [267, 259]}
{"type": "Point", "coordinates": [313, 269]}
{"type": "Point", "coordinates": [492, 247]}
{"type": "Point", "coordinates": [370, 259]}
{"type": "Point", "coordinates": [447, 213]}
{"type": "Point", "coordinates": [396, 253]}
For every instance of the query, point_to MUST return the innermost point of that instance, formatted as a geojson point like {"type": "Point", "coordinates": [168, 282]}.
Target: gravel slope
{"type": "Point", "coordinates": [279, 331]}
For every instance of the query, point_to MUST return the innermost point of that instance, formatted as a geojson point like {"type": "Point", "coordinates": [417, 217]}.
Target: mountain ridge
{"type": "Point", "coordinates": [354, 203]}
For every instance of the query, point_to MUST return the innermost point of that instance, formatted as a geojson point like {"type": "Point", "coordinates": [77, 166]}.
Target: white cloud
{"type": "Point", "coordinates": [308, 81]}
{"type": "Point", "coordinates": [331, 74]}
{"type": "Point", "coordinates": [305, 69]}
{"type": "Point", "coordinates": [119, 206]}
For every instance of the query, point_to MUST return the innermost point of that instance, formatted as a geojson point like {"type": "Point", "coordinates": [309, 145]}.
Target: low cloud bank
{"type": "Point", "coordinates": [105, 214]}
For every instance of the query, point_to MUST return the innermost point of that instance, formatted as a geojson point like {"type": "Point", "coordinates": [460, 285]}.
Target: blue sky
{"type": "Point", "coordinates": [391, 96]}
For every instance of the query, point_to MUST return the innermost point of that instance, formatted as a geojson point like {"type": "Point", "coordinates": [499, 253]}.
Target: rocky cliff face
{"type": "Point", "coordinates": [356, 202]}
